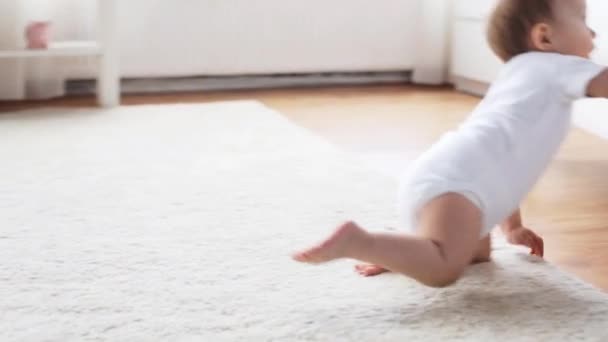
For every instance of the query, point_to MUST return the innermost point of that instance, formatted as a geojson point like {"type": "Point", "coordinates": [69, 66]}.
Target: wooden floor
{"type": "Point", "coordinates": [391, 125]}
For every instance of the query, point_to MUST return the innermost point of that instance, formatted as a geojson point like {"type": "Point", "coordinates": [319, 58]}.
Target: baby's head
{"type": "Point", "coordinates": [519, 26]}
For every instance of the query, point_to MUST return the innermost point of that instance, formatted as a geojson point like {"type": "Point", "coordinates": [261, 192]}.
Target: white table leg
{"type": "Point", "coordinates": [108, 80]}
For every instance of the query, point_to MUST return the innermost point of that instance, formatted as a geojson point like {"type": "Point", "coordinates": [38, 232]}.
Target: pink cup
{"type": "Point", "coordinates": [37, 34]}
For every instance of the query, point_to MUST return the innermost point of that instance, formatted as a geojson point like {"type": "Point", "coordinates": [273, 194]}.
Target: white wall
{"type": "Point", "coordinates": [161, 38]}
{"type": "Point", "coordinates": [218, 37]}
{"type": "Point", "coordinates": [226, 37]}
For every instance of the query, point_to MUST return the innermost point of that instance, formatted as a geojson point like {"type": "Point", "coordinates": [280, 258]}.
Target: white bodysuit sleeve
{"type": "Point", "coordinates": [573, 75]}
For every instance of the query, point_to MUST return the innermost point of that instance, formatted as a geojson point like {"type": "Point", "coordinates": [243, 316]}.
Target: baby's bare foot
{"type": "Point", "coordinates": [370, 270]}
{"type": "Point", "coordinates": [347, 237]}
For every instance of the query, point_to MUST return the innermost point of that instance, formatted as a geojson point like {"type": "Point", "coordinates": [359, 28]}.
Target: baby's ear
{"type": "Point", "coordinates": [540, 37]}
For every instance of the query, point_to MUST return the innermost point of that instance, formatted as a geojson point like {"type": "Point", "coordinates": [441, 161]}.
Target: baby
{"type": "Point", "coordinates": [475, 177]}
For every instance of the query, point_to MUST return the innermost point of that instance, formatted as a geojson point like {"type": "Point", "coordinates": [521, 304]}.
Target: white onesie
{"type": "Point", "coordinates": [497, 155]}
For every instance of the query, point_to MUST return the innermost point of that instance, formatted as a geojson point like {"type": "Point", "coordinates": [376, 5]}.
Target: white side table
{"type": "Point", "coordinates": [105, 48]}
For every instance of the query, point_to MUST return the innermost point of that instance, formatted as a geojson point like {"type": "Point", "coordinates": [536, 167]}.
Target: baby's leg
{"type": "Point", "coordinates": [483, 253]}
{"type": "Point", "coordinates": [448, 239]}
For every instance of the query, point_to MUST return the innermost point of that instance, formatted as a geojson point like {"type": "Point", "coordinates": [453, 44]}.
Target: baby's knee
{"type": "Point", "coordinates": [484, 251]}
{"type": "Point", "coordinates": [443, 279]}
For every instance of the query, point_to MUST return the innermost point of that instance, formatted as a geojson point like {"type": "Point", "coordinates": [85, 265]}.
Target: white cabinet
{"type": "Point", "coordinates": [473, 64]}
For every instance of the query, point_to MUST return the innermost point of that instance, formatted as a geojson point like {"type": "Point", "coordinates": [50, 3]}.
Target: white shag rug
{"type": "Point", "coordinates": [174, 223]}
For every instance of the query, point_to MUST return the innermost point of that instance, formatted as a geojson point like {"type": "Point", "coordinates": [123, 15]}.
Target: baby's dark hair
{"type": "Point", "coordinates": [511, 22]}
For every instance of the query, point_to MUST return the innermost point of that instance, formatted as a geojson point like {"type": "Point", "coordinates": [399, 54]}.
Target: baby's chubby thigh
{"type": "Point", "coordinates": [451, 166]}
{"type": "Point", "coordinates": [415, 190]}
{"type": "Point", "coordinates": [418, 190]}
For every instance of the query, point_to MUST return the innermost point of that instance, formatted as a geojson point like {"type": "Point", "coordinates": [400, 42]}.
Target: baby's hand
{"type": "Point", "coordinates": [525, 237]}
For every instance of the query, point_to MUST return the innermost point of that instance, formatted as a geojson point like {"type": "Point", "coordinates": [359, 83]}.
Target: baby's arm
{"type": "Point", "coordinates": [517, 234]}
{"type": "Point", "coordinates": [598, 86]}
{"type": "Point", "coordinates": [512, 222]}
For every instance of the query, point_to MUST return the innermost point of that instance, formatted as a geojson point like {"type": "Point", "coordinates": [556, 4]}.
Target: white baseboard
{"type": "Point", "coordinates": [162, 85]}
